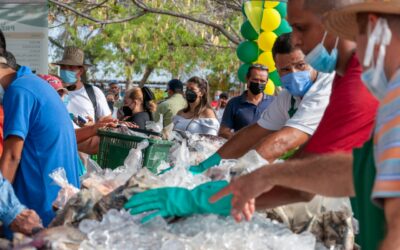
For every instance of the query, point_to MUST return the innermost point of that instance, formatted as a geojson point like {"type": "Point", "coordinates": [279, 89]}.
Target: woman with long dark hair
{"type": "Point", "coordinates": [139, 106]}
{"type": "Point", "coordinates": [198, 117]}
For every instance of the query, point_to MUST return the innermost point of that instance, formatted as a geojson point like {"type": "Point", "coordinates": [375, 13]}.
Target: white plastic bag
{"type": "Point", "coordinates": [155, 126]}
{"type": "Point", "coordinates": [249, 162]}
{"type": "Point", "coordinates": [67, 190]}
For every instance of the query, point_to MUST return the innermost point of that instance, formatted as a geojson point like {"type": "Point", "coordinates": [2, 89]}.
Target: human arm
{"type": "Point", "coordinates": [243, 141]}
{"type": "Point", "coordinates": [316, 175]}
{"type": "Point", "coordinates": [227, 122]}
{"type": "Point", "coordinates": [280, 196]}
{"type": "Point", "coordinates": [236, 147]}
{"type": "Point", "coordinates": [175, 201]}
{"type": "Point", "coordinates": [392, 215]}
{"type": "Point", "coordinates": [13, 213]}
{"type": "Point", "coordinates": [90, 146]}
{"type": "Point", "coordinates": [225, 132]}
{"type": "Point", "coordinates": [277, 144]}
{"type": "Point", "coordinates": [11, 157]}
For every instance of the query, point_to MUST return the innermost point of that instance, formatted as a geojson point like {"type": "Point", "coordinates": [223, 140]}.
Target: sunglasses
{"type": "Point", "coordinates": [258, 66]}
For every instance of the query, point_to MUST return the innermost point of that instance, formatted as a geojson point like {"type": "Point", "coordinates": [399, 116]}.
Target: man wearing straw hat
{"type": "Point", "coordinates": [375, 26]}
{"type": "Point", "coordinates": [85, 100]}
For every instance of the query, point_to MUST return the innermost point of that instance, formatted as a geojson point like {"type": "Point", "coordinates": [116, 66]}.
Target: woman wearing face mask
{"type": "Point", "coordinates": [138, 106]}
{"type": "Point", "coordinates": [198, 117]}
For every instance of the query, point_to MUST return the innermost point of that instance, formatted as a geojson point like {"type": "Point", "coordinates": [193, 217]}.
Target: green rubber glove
{"type": "Point", "coordinates": [175, 201]}
{"type": "Point", "coordinates": [211, 161]}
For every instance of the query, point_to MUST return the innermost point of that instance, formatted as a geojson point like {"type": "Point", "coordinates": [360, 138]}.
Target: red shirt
{"type": "Point", "coordinates": [350, 116]}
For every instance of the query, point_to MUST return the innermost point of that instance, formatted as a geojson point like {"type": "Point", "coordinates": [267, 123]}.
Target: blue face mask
{"type": "Point", "coordinates": [320, 59]}
{"type": "Point", "coordinates": [297, 83]}
{"type": "Point", "coordinates": [68, 76]}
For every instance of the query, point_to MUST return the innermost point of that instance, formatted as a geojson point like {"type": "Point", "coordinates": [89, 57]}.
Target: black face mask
{"type": "Point", "coordinates": [127, 111]}
{"type": "Point", "coordinates": [191, 96]}
{"type": "Point", "coordinates": [71, 87]}
{"type": "Point", "coordinates": [256, 88]}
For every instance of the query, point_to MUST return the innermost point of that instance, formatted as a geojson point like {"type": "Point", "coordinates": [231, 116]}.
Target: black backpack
{"type": "Point", "coordinates": [90, 91]}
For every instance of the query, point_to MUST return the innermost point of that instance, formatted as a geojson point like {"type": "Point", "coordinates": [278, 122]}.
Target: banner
{"type": "Point", "coordinates": [25, 27]}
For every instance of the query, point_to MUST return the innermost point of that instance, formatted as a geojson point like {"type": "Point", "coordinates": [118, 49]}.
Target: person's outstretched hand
{"type": "Point", "coordinates": [176, 201]}
{"type": "Point", "coordinates": [26, 222]}
{"type": "Point", "coordinates": [210, 162]}
{"type": "Point", "coordinates": [244, 190]}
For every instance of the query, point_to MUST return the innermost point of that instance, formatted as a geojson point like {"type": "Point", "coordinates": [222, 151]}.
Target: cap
{"type": "Point", "coordinates": [223, 96]}
{"type": "Point", "coordinates": [175, 84]}
{"type": "Point", "coordinates": [54, 81]}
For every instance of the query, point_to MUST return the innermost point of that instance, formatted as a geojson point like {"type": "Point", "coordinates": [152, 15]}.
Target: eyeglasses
{"type": "Point", "coordinates": [258, 66]}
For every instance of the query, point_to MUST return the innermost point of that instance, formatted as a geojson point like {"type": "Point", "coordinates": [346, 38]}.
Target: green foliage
{"type": "Point", "coordinates": [159, 42]}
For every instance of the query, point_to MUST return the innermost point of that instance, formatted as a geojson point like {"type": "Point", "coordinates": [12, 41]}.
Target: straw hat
{"type": "Point", "coordinates": [342, 21]}
{"type": "Point", "coordinates": [73, 57]}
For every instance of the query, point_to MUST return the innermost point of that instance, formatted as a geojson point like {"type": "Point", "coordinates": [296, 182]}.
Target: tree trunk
{"type": "Point", "coordinates": [147, 72]}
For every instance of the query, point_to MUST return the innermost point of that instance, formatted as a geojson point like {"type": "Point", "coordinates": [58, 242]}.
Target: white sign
{"type": "Point", "coordinates": [25, 27]}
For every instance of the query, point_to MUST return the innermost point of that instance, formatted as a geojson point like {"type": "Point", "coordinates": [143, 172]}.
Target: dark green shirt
{"type": "Point", "coordinates": [371, 218]}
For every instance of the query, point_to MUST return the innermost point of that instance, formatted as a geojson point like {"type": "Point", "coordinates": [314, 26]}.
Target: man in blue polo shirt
{"type": "Point", "coordinates": [38, 138]}
{"type": "Point", "coordinates": [247, 108]}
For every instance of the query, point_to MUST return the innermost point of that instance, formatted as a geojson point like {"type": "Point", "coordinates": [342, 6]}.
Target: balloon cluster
{"type": "Point", "coordinates": [266, 20]}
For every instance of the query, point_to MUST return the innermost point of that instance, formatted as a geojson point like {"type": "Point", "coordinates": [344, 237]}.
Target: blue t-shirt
{"type": "Point", "coordinates": [240, 113]}
{"type": "Point", "coordinates": [34, 112]}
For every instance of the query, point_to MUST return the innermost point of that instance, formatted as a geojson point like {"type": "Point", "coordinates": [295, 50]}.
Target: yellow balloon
{"type": "Point", "coordinates": [270, 88]}
{"type": "Point", "coordinates": [266, 40]}
{"type": "Point", "coordinates": [267, 60]}
{"type": "Point", "coordinates": [256, 3]}
{"type": "Point", "coordinates": [254, 15]}
{"type": "Point", "coordinates": [271, 4]}
{"type": "Point", "coordinates": [271, 20]}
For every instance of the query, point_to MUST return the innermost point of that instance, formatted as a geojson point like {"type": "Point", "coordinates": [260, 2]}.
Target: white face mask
{"type": "Point", "coordinates": [1, 94]}
{"type": "Point", "coordinates": [374, 77]}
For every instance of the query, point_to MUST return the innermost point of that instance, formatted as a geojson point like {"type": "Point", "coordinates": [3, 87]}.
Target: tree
{"type": "Point", "coordinates": [129, 37]}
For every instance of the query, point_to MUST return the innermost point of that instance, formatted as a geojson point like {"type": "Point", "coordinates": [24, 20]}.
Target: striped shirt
{"type": "Point", "coordinates": [387, 144]}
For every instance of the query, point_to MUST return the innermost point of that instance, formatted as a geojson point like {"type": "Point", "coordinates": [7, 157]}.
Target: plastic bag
{"type": "Point", "coordinates": [67, 190]}
{"type": "Point", "coordinates": [133, 161]}
{"type": "Point", "coordinates": [155, 126]}
{"type": "Point", "coordinates": [329, 219]}
{"type": "Point", "coordinates": [92, 166]}
{"type": "Point", "coordinates": [248, 163]}
{"type": "Point", "coordinates": [167, 132]}
{"type": "Point", "coordinates": [107, 181]}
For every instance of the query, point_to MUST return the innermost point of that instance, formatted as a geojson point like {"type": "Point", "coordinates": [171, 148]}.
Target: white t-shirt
{"type": "Point", "coordinates": [80, 103]}
{"type": "Point", "coordinates": [310, 108]}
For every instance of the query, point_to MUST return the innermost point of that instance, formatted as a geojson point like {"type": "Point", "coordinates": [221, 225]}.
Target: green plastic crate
{"type": "Point", "coordinates": [114, 148]}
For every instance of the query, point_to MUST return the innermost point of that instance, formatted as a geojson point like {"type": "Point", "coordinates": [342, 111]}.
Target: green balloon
{"type": "Point", "coordinates": [247, 51]}
{"type": "Point", "coordinates": [248, 31]}
{"type": "Point", "coordinates": [274, 76]}
{"type": "Point", "coordinates": [283, 28]}
{"type": "Point", "coordinates": [282, 9]}
{"type": "Point", "coordinates": [242, 72]}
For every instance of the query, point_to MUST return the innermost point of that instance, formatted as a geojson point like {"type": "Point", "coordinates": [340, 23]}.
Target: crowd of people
{"type": "Point", "coordinates": [335, 123]}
